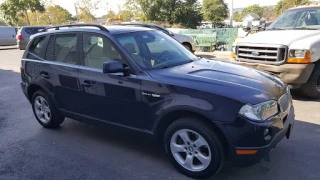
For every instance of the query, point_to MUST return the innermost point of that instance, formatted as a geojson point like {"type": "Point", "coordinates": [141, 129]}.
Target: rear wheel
{"type": "Point", "coordinates": [187, 46]}
{"type": "Point", "coordinates": [312, 87]}
{"type": "Point", "coordinates": [45, 111]}
{"type": "Point", "coordinates": [193, 148]}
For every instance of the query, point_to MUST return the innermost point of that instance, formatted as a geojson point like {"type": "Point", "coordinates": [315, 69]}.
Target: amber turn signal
{"type": "Point", "coordinates": [306, 59]}
{"type": "Point", "coordinates": [246, 152]}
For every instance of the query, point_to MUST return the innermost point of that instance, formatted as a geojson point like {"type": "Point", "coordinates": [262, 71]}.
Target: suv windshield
{"type": "Point", "coordinates": [300, 18]}
{"type": "Point", "coordinates": [155, 50]}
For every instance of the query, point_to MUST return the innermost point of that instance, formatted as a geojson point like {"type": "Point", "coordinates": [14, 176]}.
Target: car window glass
{"type": "Point", "coordinates": [37, 46]}
{"type": "Point", "coordinates": [97, 50]}
{"type": "Point", "coordinates": [50, 49]}
{"type": "Point", "coordinates": [131, 45]}
{"type": "Point", "coordinates": [160, 45]}
{"type": "Point", "coordinates": [33, 30]}
{"type": "Point", "coordinates": [64, 48]}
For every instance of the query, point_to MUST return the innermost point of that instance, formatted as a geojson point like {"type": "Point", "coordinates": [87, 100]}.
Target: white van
{"type": "Point", "coordinates": [8, 36]}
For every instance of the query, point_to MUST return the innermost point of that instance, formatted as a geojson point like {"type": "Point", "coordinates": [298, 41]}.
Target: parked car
{"type": "Point", "coordinates": [289, 47]}
{"type": "Point", "coordinates": [24, 34]}
{"type": "Point", "coordinates": [203, 112]}
{"type": "Point", "coordinates": [185, 40]}
{"type": "Point", "coordinates": [8, 36]}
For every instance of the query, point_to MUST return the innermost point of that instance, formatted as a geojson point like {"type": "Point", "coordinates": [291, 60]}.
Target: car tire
{"type": "Point", "coordinates": [187, 46]}
{"type": "Point", "coordinates": [45, 111]}
{"type": "Point", "coordinates": [208, 148]}
{"type": "Point", "coordinates": [311, 89]}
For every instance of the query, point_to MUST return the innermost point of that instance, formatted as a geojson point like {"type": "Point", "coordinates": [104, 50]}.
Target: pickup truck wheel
{"type": "Point", "coordinates": [193, 148]}
{"type": "Point", "coordinates": [187, 46]}
{"type": "Point", "coordinates": [312, 87]}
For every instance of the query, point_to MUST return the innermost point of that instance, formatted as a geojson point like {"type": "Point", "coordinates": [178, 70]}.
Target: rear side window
{"type": "Point", "coordinates": [33, 30]}
{"type": "Point", "coordinates": [37, 46]}
{"type": "Point", "coordinates": [62, 48]}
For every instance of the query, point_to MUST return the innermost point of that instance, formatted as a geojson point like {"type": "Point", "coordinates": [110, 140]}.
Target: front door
{"type": "Point", "coordinates": [114, 97]}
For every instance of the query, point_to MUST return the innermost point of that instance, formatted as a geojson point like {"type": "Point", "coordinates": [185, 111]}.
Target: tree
{"type": "Point", "coordinates": [269, 14]}
{"type": "Point", "coordinates": [110, 14]}
{"type": "Point", "coordinates": [215, 11]}
{"type": "Point", "coordinates": [237, 16]}
{"type": "Point", "coordinates": [13, 9]}
{"type": "Point", "coordinates": [283, 5]}
{"type": "Point", "coordinates": [188, 14]}
{"type": "Point", "coordinates": [126, 15]}
{"type": "Point", "coordinates": [256, 9]}
{"type": "Point", "coordinates": [87, 9]}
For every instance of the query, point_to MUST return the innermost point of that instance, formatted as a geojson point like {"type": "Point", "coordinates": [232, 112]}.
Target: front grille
{"type": "Point", "coordinates": [268, 54]}
{"type": "Point", "coordinates": [284, 102]}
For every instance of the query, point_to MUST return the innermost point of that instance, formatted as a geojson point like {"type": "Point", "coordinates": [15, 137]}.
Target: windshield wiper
{"type": "Point", "coordinates": [304, 28]}
{"type": "Point", "coordinates": [276, 29]}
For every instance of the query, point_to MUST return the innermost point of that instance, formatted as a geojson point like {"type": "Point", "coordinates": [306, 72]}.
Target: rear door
{"type": "Point", "coordinates": [60, 70]}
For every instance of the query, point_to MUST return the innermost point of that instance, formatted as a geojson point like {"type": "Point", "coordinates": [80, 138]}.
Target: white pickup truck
{"type": "Point", "coordinates": [289, 48]}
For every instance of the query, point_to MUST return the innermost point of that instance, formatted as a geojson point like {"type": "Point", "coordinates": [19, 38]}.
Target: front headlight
{"type": "Point", "coordinates": [299, 56]}
{"type": "Point", "coordinates": [260, 112]}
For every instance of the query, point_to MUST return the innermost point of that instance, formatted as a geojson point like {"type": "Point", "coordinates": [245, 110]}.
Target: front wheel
{"type": "Point", "coordinates": [193, 148]}
{"type": "Point", "coordinates": [312, 87]}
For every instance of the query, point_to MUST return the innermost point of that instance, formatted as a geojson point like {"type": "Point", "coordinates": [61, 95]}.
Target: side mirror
{"type": "Point", "coordinates": [246, 29]}
{"type": "Point", "coordinates": [114, 67]}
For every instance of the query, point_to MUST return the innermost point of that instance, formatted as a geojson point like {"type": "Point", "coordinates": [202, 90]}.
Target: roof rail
{"type": "Point", "coordinates": [77, 25]}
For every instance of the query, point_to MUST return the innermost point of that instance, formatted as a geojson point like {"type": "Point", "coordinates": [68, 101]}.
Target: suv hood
{"type": "Point", "coordinates": [237, 82]}
{"type": "Point", "coordinates": [283, 37]}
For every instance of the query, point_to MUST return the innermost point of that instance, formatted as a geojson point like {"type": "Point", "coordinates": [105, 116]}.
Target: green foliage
{"type": "Point", "coordinates": [256, 9]}
{"type": "Point", "coordinates": [126, 15]}
{"type": "Point", "coordinates": [283, 5]}
{"type": "Point", "coordinates": [215, 11]}
{"type": "Point", "coordinates": [110, 14]}
{"type": "Point", "coordinates": [13, 9]}
{"type": "Point", "coordinates": [237, 16]}
{"type": "Point", "coordinates": [87, 9]}
{"type": "Point", "coordinates": [184, 12]}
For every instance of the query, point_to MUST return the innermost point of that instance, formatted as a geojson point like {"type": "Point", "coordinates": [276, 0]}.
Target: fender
{"type": "Point", "coordinates": [190, 109]}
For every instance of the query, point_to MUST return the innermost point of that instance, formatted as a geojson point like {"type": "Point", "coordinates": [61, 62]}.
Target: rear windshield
{"type": "Point", "coordinates": [34, 30]}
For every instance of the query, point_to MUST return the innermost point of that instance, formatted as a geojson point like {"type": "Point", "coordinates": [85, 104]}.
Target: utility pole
{"type": "Point", "coordinates": [231, 13]}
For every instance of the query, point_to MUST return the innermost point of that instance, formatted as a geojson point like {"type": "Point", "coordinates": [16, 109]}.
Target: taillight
{"type": "Point", "coordinates": [20, 37]}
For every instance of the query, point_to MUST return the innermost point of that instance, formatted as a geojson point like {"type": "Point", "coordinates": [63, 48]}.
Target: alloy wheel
{"type": "Point", "coordinates": [42, 109]}
{"type": "Point", "coordinates": [190, 150]}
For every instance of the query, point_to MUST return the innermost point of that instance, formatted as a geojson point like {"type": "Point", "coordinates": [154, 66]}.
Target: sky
{"type": "Point", "coordinates": [113, 4]}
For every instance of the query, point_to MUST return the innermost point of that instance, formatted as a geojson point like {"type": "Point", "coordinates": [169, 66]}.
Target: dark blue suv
{"type": "Point", "coordinates": [203, 112]}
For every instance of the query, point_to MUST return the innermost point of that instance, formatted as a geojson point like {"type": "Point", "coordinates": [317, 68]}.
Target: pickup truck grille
{"type": "Point", "coordinates": [266, 54]}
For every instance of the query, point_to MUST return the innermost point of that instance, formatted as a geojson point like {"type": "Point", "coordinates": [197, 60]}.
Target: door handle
{"type": "Point", "coordinates": [45, 74]}
{"type": "Point", "coordinates": [87, 83]}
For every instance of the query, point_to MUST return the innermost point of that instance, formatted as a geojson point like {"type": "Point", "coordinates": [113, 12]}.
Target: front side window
{"type": "Point", "coordinates": [62, 48]}
{"type": "Point", "coordinates": [97, 50]}
{"type": "Point", "coordinates": [154, 49]}
{"type": "Point", "coordinates": [300, 18]}
{"type": "Point", "coordinates": [37, 46]}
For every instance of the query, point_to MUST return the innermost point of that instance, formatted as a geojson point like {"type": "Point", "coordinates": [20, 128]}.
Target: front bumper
{"type": "Point", "coordinates": [289, 73]}
{"type": "Point", "coordinates": [251, 137]}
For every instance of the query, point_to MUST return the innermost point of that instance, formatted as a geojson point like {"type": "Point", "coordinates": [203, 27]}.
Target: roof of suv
{"type": "Point", "coordinates": [111, 29]}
